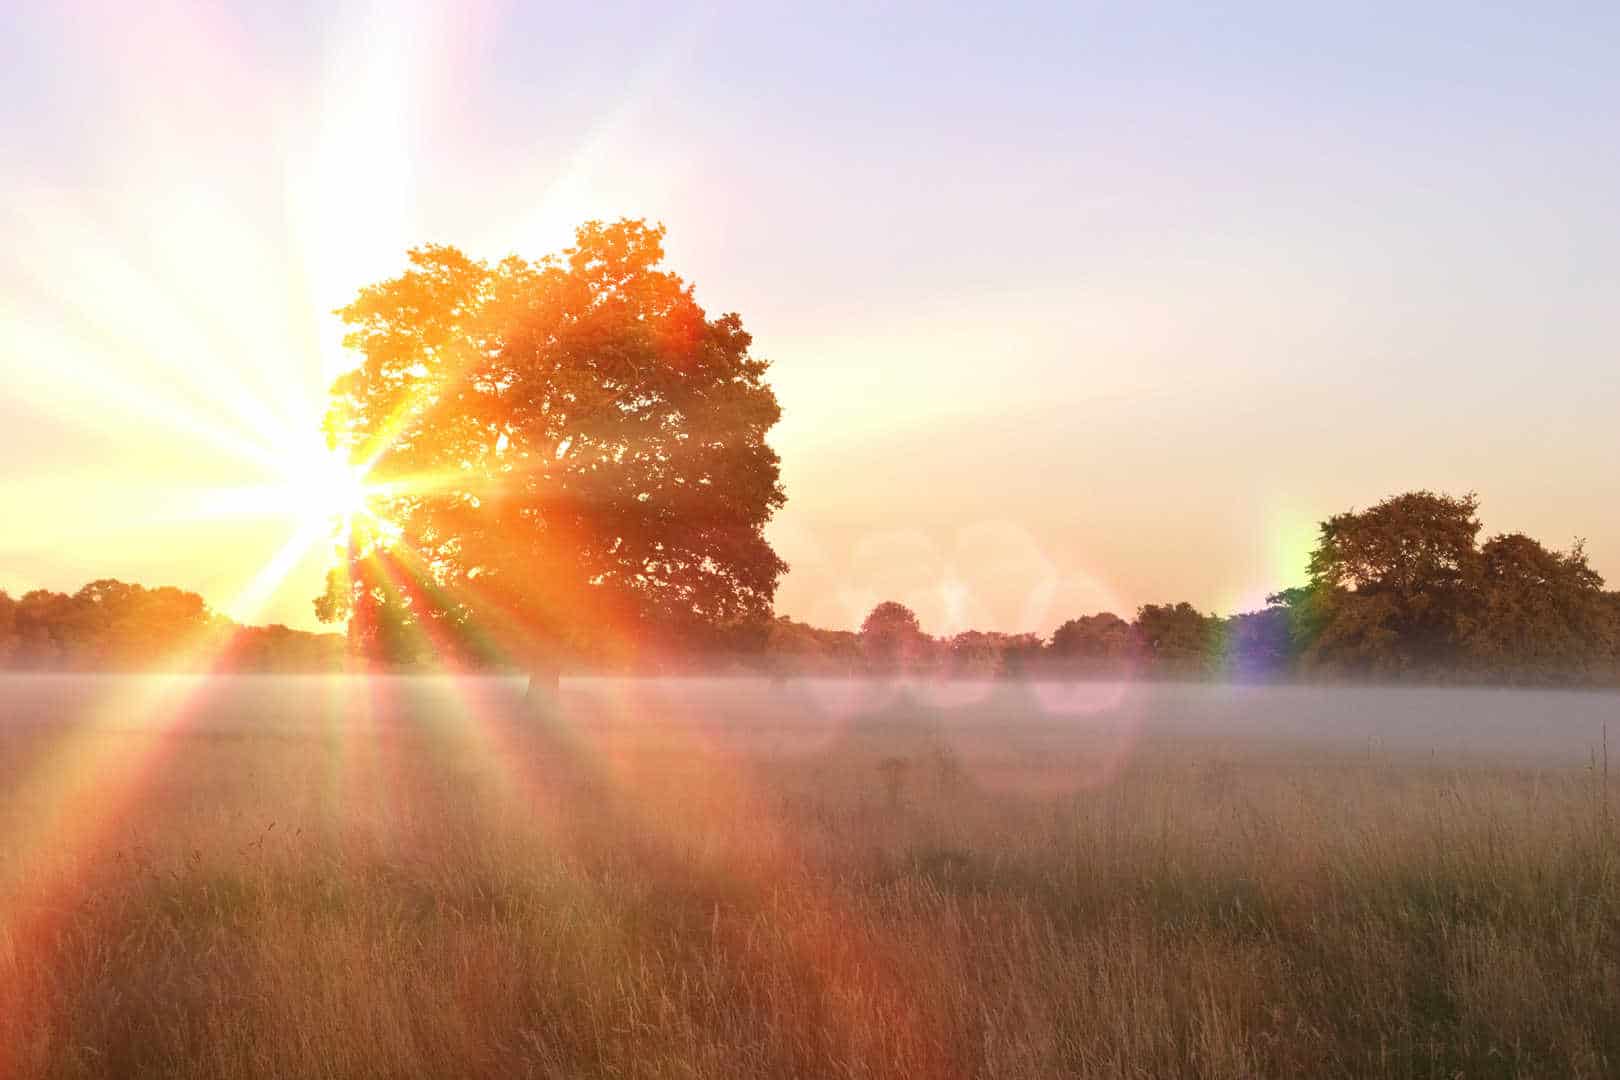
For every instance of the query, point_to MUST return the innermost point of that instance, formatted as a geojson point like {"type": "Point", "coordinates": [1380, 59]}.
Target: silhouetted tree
{"type": "Point", "coordinates": [1022, 653]}
{"type": "Point", "coordinates": [989, 654]}
{"type": "Point", "coordinates": [578, 450]}
{"type": "Point", "coordinates": [116, 624]}
{"type": "Point", "coordinates": [390, 622]}
{"type": "Point", "coordinates": [892, 637]}
{"type": "Point", "coordinates": [1260, 644]}
{"type": "Point", "coordinates": [1611, 603]}
{"type": "Point", "coordinates": [1178, 638]}
{"type": "Point", "coordinates": [8, 628]}
{"type": "Point", "coordinates": [1393, 587]}
{"type": "Point", "coordinates": [278, 648]}
{"type": "Point", "coordinates": [1303, 614]}
{"type": "Point", "coordinates": [44, 628]}
{"type": "Point", "coordinates": [795, 646]}
{"type": "Point", "coordinates": [976, 653]}
{"type": "Point", "coordinates": [107, 624]}
{"type": "Point", "coordinates": [1101, 642]}
{"type": "Point", "coordinates": [1542, 614]}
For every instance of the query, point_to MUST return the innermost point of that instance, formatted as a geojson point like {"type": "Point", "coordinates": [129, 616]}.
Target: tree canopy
{"type": "Point", "coordinates": [1391, 583]}
{"type": "Point", "coordinates": [1400, 592]}
{"type": "Point", "coordinates": [1539, 612]}
{"type": "Point", "coordinates": [111, 625]}
{"type": "Point", "coordinates": [891, 634]}
{"type": "Point", "coordinates": [1405, 589]}
{"type": "Point", "coordinates": [1104, 638]}
{"type": "Point", "coordinates": [571, 455]}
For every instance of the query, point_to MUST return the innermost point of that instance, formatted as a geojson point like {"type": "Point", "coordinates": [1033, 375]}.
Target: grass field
{"type": "Point", "coordinates": [415, 878]}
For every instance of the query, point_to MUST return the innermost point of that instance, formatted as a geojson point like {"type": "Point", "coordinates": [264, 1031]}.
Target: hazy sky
{"type": "Point", "coordinates": [1070, 307]}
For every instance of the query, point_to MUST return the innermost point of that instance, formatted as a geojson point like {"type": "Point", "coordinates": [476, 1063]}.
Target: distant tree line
{"type": "Point", "coordinates": [111, 625]}
{"type": "Point", "coordinates": [1404, 590]}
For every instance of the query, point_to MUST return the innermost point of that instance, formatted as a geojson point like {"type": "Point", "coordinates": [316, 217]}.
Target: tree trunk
{"type": "Point", "coordinates": [545, 687]}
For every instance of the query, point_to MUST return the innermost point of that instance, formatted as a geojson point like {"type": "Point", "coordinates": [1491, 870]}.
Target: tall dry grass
{"type": "Point", "coordinates": [396, 891]}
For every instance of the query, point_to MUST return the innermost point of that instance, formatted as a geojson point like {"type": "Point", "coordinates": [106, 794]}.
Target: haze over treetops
{"type": "Point", "coordinates": [1067, 310]}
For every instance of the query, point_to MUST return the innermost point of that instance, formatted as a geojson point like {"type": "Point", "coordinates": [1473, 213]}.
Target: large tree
{"type": "Point", "coordinates": [572, 455]}
{"type": "Point", "coordinates": [1542, 615]}
{"type": "Point", "coordinates": [1392, 587]}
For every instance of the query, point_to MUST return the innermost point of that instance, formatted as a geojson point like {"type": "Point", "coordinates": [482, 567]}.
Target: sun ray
{"type": "Point", "coordinates": [77, 383]}
{"type": "Point", "coordinates": [125, 312]}
{"type": "Point", "coordinates": [97, 768]}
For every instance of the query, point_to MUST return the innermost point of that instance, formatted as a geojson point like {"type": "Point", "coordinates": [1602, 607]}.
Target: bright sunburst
{"type": "Point", "coordinates": [331, 488]}
{"type": "Point", "coordinates": [318, 488]}
{"type": "Point", "coordinates": [172, 330]}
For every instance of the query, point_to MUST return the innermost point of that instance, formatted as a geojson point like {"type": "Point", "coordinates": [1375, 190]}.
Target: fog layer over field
{"type": "Point", "coordinates": [1541, 727]}
{"type": "Point", "coordinates": [263, 876]}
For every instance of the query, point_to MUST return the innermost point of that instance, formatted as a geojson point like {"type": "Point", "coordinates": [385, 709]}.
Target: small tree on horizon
{"type": "Point", "coordinates": [891, 636]}
{"type": "Point", "coordinates": [1103, 640]}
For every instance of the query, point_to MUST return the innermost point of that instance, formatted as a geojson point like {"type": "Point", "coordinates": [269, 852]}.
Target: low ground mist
{"type": "Point", "coordinates": [318, 876]}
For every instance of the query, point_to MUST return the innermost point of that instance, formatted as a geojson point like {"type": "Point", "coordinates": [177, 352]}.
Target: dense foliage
{"type": "Point", "coordinates": [112, 626]}
{"type": "Point", "coordinates": [1402, 591]}
{"type": "Point", "coordinates": [572, 452]}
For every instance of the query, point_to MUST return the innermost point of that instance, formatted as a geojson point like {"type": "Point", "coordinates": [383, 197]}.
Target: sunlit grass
{"type": "Point", "coordinates": [415, 877]}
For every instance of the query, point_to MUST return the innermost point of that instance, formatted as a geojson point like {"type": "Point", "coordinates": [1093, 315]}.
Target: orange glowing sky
{"type": "Point", "coordinates": [1069, 309]}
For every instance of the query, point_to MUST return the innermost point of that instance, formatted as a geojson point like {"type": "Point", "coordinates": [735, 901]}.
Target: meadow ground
{"type": "Point", "coordinates": [322, 877]}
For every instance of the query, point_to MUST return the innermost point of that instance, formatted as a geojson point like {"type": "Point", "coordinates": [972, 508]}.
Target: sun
{"type": "Point", "coordinates": [333, 487]}
{"type": "Point", "coordinates": [324, 500]}
{"type": "Point", "coordinates": [323, 491]}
